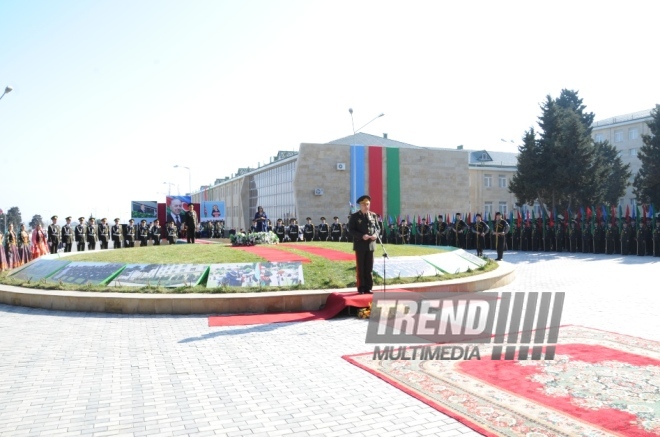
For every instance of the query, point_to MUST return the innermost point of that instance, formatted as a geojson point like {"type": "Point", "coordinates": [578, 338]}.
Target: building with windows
{"type": "Point", "coordinates": [402, 179]}
{"type": "Point", "coordinates": [625, 133]}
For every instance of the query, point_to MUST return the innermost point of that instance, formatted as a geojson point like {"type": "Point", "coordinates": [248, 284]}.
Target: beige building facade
{"type": "Point", "coordinates": [323, 180]}
{"type": "Point", "coordinates": [625, 133]}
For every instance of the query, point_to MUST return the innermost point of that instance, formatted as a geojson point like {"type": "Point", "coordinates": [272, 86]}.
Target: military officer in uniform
{"type": "Point", "coordinates": [116, 232]}
{"type": "Point", "coordinates": [294, 230]}
{"type": "Point", "coordinates": [610, 239]}
{"type": "Point", "coordinates": [656, 240]}
{"type": "Point", "coordinates": [80, 233]}
{"type": "Point", "coordinates": [587, 238]}
{"type": "Point", "coordinates": [143, 233]}
{"type": "Point", "coordinates": [323, 231]}
{"type": "Point", "coordinates": [155, 232]}
{"type": "Point", "coordinates": [190, 219]}
{"type": "Point", "coordinates": [500, 229]}
{"type": "Point", "coordinates": [480, 229]}
{"type": "Point", "coordinates": [363, 225]}
{"type": "Point", "coordinates": [308, 230]}
{"type": "Point", "coordinates": [54, 233]}
{"type": "Point", "coordinates": [526, 243]}
{"type": "Point", "coordinates": [92, 233]}
{"type": "Point", "coordinates": [641, 239]}
{"type": "Point", "coordinates": [280, 230]}
{"type": "Point", "coordinates": [104, 233]}
{"type": "Point", "coordinates": [460, 229]}
{"type": "Point", "coordinates": [599, 237]}
{"type": "Point", "coordinates": [549, 239]}
{"type": "Point", "coordinates": [347, 235]}
{"type": "Point", "coordinates": [626, 233]}
{"type": "Point", "coordinates": [67, 235]}
{"type": "Point", "coordinates": [335, 230]}
{"type": "Point", "coordinates": [171, 232]}
{"type": "Point", "coordinates": [404, 232]}
{"type": "Point", "coordinates": [441, 232]}
{"type": "Point", "coordinates": [130, 233]}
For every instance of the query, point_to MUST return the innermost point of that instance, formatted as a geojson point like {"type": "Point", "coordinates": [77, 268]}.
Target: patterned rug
{"type": "Point", "coordinates": [599, 384]}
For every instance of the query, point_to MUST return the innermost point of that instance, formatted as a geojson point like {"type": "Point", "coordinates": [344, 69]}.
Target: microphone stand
{"type": "Point", "coordinates": [385, 256]}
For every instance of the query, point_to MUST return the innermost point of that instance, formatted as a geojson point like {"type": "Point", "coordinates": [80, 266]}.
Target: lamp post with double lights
{"type": "Point", "coordinates": [350, 110]}
{"type": "Point", "coordinates": [169, 187]}
{"type": "Point", "coordinates": [8, 89]}
{"type": "Point", "coordinates": [189, 179]}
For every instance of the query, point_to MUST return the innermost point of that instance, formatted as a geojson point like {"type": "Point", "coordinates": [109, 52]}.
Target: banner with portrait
{"type": "Point", "coordinates": [176, 206]}
{"type": "Point", "coordinates": [211, 211]}
{"type": "Point", "coordinates": [144, 210]}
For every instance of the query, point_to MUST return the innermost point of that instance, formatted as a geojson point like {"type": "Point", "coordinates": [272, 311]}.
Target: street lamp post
{"type": "Point", "coordinates": [189, 179]}
{"type": "Point", "coordinates": [169, 187]}
{"type": "Point", "coordinates": [8, 89]}
{"type": "Point", "coordinates": [350, 110]}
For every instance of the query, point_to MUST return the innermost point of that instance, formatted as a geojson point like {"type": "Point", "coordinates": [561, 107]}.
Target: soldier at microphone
{"type": "Point", "coordinates": [363, 227]}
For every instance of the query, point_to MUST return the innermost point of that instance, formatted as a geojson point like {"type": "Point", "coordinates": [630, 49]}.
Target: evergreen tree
{"type": "Point", "coordinates": [36, 219]}
{"type": "Point", "coordinates": [14, 216]}
{"type": "Point", "coordinates": [647, 181]}
{"type": "Point", "coordinates": [563, 168]}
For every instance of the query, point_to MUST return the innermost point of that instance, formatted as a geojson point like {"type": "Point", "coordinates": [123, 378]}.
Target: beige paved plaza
{"type": "Point", "coordinates": [66, 374]}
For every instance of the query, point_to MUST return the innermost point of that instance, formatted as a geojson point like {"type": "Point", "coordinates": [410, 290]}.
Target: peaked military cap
{"type": "Point", "coordinates": [363, 198]}
{"type": "Point", "coordinates": [54, 217]}
{"type": "Point", "coordinates": [322, 218]}
{"type": "Point", "coordinates": [68, 218]}
{"type": "Point", "coordinates": [335, 218]}
{"type": "Point", "coordinates": [81, 218]}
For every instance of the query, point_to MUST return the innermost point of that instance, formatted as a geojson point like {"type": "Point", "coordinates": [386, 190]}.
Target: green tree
{"type": "Point", "coordinates": [613, 173]}
{"type": "Point", "coordinates": [14, 216]}
{"type": "Point", "coordinates": [562, 167]}
{"type": "Point", "coordinates": [36, 219]}
{"type": "Point", "coordinates": [647, 181]}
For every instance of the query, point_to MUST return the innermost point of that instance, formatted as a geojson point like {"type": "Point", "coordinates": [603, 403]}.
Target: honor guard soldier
{"type": "Point", "coordinates": [143, 233]}
{"type": "Point", "coordinates": [67, 235]}
{"type": "Point", "coordinates": [155, 232]}
{"type": "Point", "coordinates": [308, 230]}
{"type": "Point", "coordinates": [171, 232]}
{"type": "Point", "coordinates": [460, 229]}
{"type": "Point", "coordinates": [280, 230]}
{"type": "Point", "coordinates": [335, 230]}
{"type": "Point", "coordinates": [441, 233]}
{"type": "Point", "coordinates": [560, 234]}
{"type": "Point", "coordinates": [80, 233]}
{"type": "Point", "coordinates": [104, 233]}
{"type": "Point", "coordinates": [54, 233]}
{"type": "Point", "coordinates": [549, 239]}
{"type": "Point", "coordinates": [345, 234]}
{"type": "Point", "coordinates": [587, 238]}
{"type": "Point", "coordinates": [323, 231]}
{"type": "Point", "coordinates": [599, 237]}
{"type": "Point", "coordinates": [610, 239]}
{"type": "Point", "coordinates": [480, 229]}
{"type": "Point", "coordinates": [527, 237]}
{"type": "Point", "coordinates": [130, 234]}
{"type": "Point", "coordinates": [294, 230]}
{"type": "Point", "coordinates": [424, 233]}
{"type": "Point", "coordinates": [500, 229]}
{"type": "Point", "coordinates": [625, 238]}
{"type": "Point", "coordinates": [656, 239]}
{"type": "Point", "coordinates": [537, 235]}
{"type": "Point", "coordinates": [404, 233]}
{"type": "Point", "coordinates": [116, 232]}
{"type": "Point", "coordinates": [92, 233]}
{"type": "Point", "coordinates": [641, 239]}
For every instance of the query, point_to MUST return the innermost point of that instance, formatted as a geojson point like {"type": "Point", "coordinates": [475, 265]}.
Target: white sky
{"type": "Point", "coordinates": [110, 95]}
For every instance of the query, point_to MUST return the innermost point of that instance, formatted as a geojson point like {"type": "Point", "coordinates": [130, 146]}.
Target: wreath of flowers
{"type": "Point", "coordinates": [253, 238]}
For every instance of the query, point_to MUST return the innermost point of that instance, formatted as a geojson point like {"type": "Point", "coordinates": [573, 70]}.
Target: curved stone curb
{"type": "Point", "coordinates": [230, 303]}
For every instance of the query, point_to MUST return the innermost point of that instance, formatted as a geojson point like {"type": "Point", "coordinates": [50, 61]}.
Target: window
{"type": "Point", "coordinates": [503, 209]}
{"type": "Point", "coordinates": [598, 138]}
{"type": "Point", "coordinates": [618, 136]}
{"type": "Point", "coordinates": [488, 210]}
{"type": "Point", "coordinates": [633, 133]}
{"type": "Point", "coordinates": [488, 180]}
{"type": "Point", "coordinates": [502, 181]}
{"type": "Point", "coordinates": [633, 152]}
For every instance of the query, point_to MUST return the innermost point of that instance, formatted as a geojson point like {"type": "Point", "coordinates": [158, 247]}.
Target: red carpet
{"type": "Point", "coordinates": [599, 383]}
{"type": "Point", "coordinates": [331, 254]}
{"type": "Point", "coordinates": [273, 255]}
{"type": "Point", "coordinates": [334, 305]}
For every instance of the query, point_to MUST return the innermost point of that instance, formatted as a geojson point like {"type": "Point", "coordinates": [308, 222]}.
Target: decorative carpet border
{"type": "Point", "coordinates": [495, 411]}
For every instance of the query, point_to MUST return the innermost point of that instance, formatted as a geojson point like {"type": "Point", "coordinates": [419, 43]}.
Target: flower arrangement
{"type": "Point", "coordinates": [253, 238]}
{"type": "Point", "coordinates": [364, 313]}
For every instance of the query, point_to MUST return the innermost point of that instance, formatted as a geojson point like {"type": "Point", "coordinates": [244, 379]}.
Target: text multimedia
{"type": "Point", "coordinates": [448, 353]}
